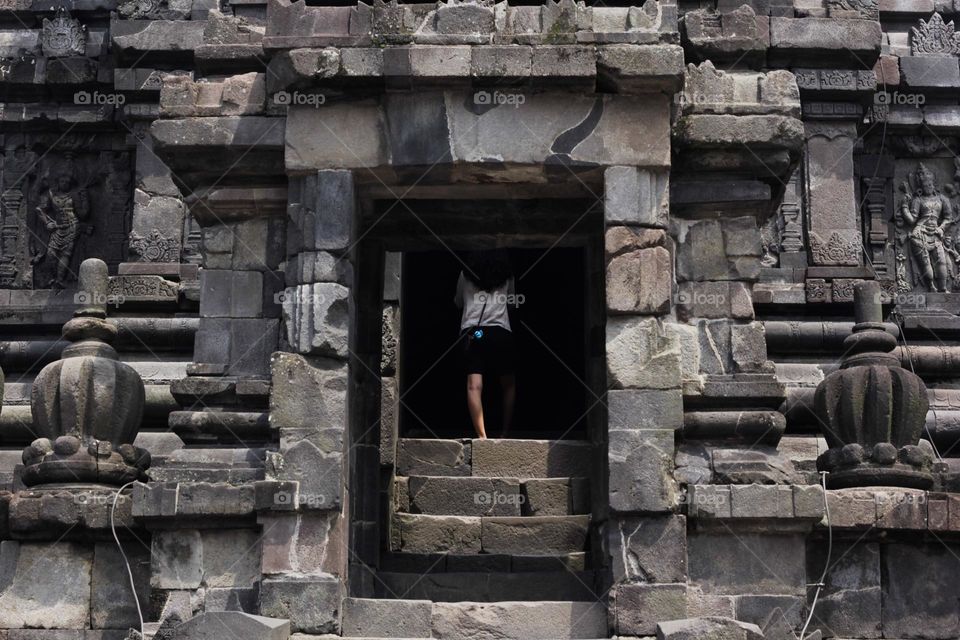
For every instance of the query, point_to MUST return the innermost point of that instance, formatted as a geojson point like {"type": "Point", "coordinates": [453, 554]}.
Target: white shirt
{"type": "Point", "coordinates": [471, 300]}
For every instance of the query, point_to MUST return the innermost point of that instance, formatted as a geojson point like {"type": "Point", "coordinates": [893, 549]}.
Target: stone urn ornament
{"type": "Point", "coordinates": [871, 409]}
{"type": "Point", "coordinates": [87, 406]}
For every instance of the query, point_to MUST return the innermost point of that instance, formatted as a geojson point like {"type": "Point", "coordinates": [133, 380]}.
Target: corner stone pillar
{"type": "Point", "coordinates": [646, 541]}
{"type": "Point", "coordinates": [305, 529]}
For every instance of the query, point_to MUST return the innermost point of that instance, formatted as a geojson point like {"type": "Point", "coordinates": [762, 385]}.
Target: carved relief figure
{"type": "Point", "coordinates": [18, 171]}
{"type": "Point", "coordinates": [922, 221]}
{"type": "Point", "coordinates": [63, 36]}
{"type": "Point", "coordinates": [61, 210]}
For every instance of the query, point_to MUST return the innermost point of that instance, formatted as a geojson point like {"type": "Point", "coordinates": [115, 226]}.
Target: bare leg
{"type": "Point", "coordinates": [475, 403]}
{"type": "Point", "coordinates": [508, 383]}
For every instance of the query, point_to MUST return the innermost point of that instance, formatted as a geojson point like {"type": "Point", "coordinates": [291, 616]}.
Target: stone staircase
{"type": "Point", "coordinates": [489, 539]}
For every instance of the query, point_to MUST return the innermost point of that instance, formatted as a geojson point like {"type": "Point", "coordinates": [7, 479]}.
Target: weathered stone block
{"type": "Point", "coordinates": [311, 604]}
{"type": "Point", "coordinates": [555, 496]}
{"type": "Point", "coordinates": [719, 250]}
{"type": "Point", "coordinates": [850, 603]}
{"type": "Point", "coordinates": [416, 457]}
{"type": "Point", "coordinates": [111, 603]}
{"type": "Point", "coordinates": [714, 300]}
{"type": "Point", "coordinates": [438, 534]}
{"type": "Point", "coordinates": [307, 393]}
{"type": "Point", "coordinates": [639, 607]}
{"type": "Point", "coordinates": [232, 624]}
{"type": "Point", "coordinates": [231, 294]}
{"type": "Point", "coordinates": [387, 618]}
{"type": "Point", "coordinates": [535, 535]}
{"type": "Point", "coordinates": [919, 602]}
{"type": "Point", "coordinates": [641, 471]}
{"type": "Point", "coordinates": [531, 458]}
{"type": "Point", "coordinates": [640, 282]}
{"type": "Point", "coordinates": [641, 354]}
{"type": "Point", "coordinates": [49, 585]}
{"type": "Point", "coordinates": [713, 628]}
{"type": "Point", "coordinates": [464, 496]}
{"type": "Point", "coordinates": [930, 72]}
{"type": "Point", "coordinates": [177, 560]}
{"type": "Point", "coordinates": [532, 620]}
{"type": "Point", "coordinates": [306, 543]}
{"type": "Point", "coordinates": [726, 564]}
{"type": "Point", "coordinates": [645, 409]}
{"type": "Point", "coordinates": [651, 549]}
{"type": "Point", "coordinates": [231, 558]}
{"type": "Point", "coordinates": [317, 318]}
{"type": "Point", "coordinates": [636, 196]}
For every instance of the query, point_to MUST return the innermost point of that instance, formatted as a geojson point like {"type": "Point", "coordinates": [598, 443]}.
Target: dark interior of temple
{"type": "Point", "coordinates": [549, 330]}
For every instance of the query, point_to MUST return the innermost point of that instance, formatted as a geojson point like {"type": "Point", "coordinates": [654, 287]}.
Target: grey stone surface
{"type": "Point", "coordinates": [438, 534]}
{"type": "Point", "coordinates": [30, 599]}
{"type": "Point", "coordinates": [387, 618]}
{"type": "Point", "coordinates": [648, 549]}
{"type": "Point", "coordinates": [530, 458]}
{"type": "Point", "coordinates": [312, 604]}
{"type": "Point", "coordinates": [913, 600]}
{"type": "Point", "coordinates": [177, 560]}
{"type": "Point", "coordinates": [709, 628]}
{"type": "Point", "coordinates": [533, 620]}
{"type": "Point", "coordinates": [747, 563]}
{"type": "Point", "coordinates": [637, 282]}
{"type": "Point", "coordinates": [636, 196]}
{"type": "Point", "coordinates": [464, 496]}
{"type": "Point", "coordinates": [534, 535]}
{"type": "Point", "coordinates": [555, 496]}
{"type": "Point", "coordinates": [112, 605]}
{"type": "Point", "coordinates": [433, 457]}
{"type": "Point", "coordinates": [211, 625]}
{"type": "Point", "coordinates": [645, 409]}
{"type": "Point", "coordinates": [307, 393]}
{"type": "Point", "coordinates": [641, 471]}
{"type": "Point", "coordinates": [642, 354]}
{"type": "Point", "coordinates": [317, 318]}
{"type": "Point", "coordinates": [639, 607]}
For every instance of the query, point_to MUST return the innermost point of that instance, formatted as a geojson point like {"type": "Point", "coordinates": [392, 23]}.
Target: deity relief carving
{"type": "Point", "coordinates": [62, 209]}
{"type": "Point", "coordinates": [923, 236]}
{"type": "Point", "coordinates": [63, 36]}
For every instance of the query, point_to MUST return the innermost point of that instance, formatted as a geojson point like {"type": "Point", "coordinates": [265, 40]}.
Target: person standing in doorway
{"type": "Point", "coordinates": [485, 291]}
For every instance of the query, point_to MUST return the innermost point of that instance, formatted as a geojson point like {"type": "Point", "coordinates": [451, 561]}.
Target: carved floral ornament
{"type": "Point", "coordinates": [63, 36]}
{"type": "Point", "coordinates": [935, 38]}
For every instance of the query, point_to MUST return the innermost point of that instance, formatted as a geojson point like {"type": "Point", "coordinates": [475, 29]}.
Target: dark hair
{"type": "Point", "coordinates": [487, 270]}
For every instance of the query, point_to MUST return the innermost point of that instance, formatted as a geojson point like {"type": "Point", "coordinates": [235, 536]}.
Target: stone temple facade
{"type": "Point", "coordinates": [736, 226]}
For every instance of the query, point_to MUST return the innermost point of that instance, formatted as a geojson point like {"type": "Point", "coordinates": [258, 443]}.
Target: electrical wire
{"type": "Point", "coordinates": [826, 566]}
{"type": "Point", "coordinates": [113, 529]}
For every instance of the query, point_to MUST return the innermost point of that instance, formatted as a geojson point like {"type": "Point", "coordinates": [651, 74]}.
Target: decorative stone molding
{"type": "Point", "coordinates": [155, 247]}
{"type": "Point", "coordinates": [934, 37]}
{"type": "Point", "coordinates": [63, 36]}
{"type": "Point", "coordinates": [87, 406]}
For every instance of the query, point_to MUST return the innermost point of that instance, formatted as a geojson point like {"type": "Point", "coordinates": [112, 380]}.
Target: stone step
{"type": "Point", "coordinates": [518, 535]}
{"type": "Point", "coordinates": [497, 458]}
{"type": "Point", "coordinates": [482, 562]}
{"type": "Point", "coordinates": [376, 618]}
{"type": "Point", "coordinates": [526, 620]}
{"type": "Point", "coordinates": [487, 587]}
{"type": "Point", "coordinates": [475, 496]}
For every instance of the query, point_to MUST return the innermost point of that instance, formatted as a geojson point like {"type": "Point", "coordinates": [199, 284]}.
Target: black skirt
{"type": "Point", "coordinates": [491, 354]}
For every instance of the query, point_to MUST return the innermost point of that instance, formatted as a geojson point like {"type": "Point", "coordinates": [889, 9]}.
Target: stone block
{"type": "Point", "coordinates": [826, 36]}
{"type": "Point", "coordinates": [761, 501]}
{"type": "Point", "coordinates": [307, 393]}
{"type": "Point", "coordinates": [712, 628]}
{"type": "Point", "coordinates": [641, 471]}
{"type": "Point", "coordinates": [620, 239]}
{"type": "Point", "coordinates": [930, 72]}
{"type": "Point", "coordinates": [46, 585]}
{"type": "Point", "coordinates": [748, 345]}
{"type": "Point", "coordinates": [529, 620]}
{"type": "Point", "coordinates": [850, 603]}
{"type": "Point", "coordinates": [531, 458]}
{"type": "Point", "coordinates": [387, 618]}
{"type": "Point", "coordinates": [308, 267]}
{"type": "Point", "coordinates": [464, 496]}
{"type": "Point", "coordinates": [177, 560]}
{"type": "Point", "coordinates": [747, 563]}
{"type": "Point", "coordinates": [639, 607]}
{"type": "Point", "coordinates": [317, 318]}
{"type": "Point", "coordinates": [319, 472]}
{"type": "Point", "coordinates": [634, 196]}
{"type": "Point", "coordinates": [310, 603]}
{"type": "Point", "coordinates": [438, 534]}
{"type": "Point", "coordinates": [111, 602]}
{"type": "Point", "coordinates": [756, 464]}
{"type": "Point", "coordinates": [507, 61]}
{"type": "Point", "coordinates": [231, 558]}
{"type": "Point", "coordinates": [639, 282]}
{"type": "Point", "coordinates": [551, 61]}
{"type": "Point", "coordinates": [306, 543]}
{"type": "Point", "coordinates": [651, 549]}
{"type": "Point", "coordinates": [231, 624]}
{"type": "Point", "coordinates": [918, 590]}
{"type": "Point", "coordinates": [714, 300]}
{"type": "Point", "coordinates": [555, 496]}
{"type": "Point", "coordinates": [719, 250]}
{"type": "Point", "coordinates": [641, 354]}
{"type": "Point", "coordinates": [645, 409]}
{"type": "Point", "coordinates": [231, 294]}
{"type": "Point", "coordinates": [246, 600]}
{"type": "Point", "coordinates": [534, 535]}
{"type": "Point", "coordinates": [327, 207]}
{"type": "Point", "coordinates": [425, 457]}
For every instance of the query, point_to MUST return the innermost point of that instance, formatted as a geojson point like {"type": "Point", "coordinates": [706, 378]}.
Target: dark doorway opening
{"type": "Point", "coordinates": [551, 342]}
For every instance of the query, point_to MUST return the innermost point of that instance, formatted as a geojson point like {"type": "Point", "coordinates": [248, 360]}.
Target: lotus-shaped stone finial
{"type": "Point", "coordinates": [872, 410]}
{"type": "Point", "coordinates": [88, 405]}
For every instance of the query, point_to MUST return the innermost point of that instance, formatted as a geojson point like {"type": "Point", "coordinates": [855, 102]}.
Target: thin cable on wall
{"type": "Point", "coordinates": [113, 529]}
{"type": "Point", "coordinates": [826, 565]}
